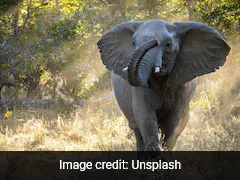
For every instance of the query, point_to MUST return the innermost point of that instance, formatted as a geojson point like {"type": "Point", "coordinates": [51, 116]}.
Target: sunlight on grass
{"type": "Point", "coordinates": [202, 136]}
{"type": "Point", "coordinates": [79, 131]}
{"type": "Point", "coordinates": [91, 129]}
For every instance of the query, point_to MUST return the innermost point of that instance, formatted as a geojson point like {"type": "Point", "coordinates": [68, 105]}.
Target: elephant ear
{"type": "Point", "coordinates": [202, 51]}
{"type": "Point", "coordinates": [116, 47]}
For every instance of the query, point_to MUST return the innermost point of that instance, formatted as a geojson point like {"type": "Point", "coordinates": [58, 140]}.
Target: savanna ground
{"type": "Point", "coordinates": [214, 122]}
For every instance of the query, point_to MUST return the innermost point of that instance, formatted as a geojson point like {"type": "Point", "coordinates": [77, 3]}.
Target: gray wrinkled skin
{"type": "Point", "coordinates": [161, 100]}
{"type": "Point", "coordinates": [149, 109]}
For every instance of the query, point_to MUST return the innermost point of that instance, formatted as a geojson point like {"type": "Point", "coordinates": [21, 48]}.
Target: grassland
{"type": "Point", "coordinates": [104, 127]}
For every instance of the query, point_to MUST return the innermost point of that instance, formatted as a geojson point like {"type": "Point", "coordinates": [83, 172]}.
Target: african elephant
{"type": "Point", "coordinates": [154, 64]}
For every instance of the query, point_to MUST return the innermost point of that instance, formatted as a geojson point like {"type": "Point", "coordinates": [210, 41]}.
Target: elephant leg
{"type": "Point", "coordinates": [123, 93]}
{"type": "Point", "coordinates": [173, 129]}
{"type": "Point", "coordinates": [139, 140]}
{"type": "Point", "coordinates": [146, 119]}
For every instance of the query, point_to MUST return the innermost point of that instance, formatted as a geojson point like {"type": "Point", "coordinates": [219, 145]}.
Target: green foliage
{"type": "Point", "coordinates": [5, 4]}
{"type": "Point", "coordinates": [46, 34]}
{"type": "Point", "coordinates": [222, 15]}
{"type": "Point", "coordinates": [60, 36]}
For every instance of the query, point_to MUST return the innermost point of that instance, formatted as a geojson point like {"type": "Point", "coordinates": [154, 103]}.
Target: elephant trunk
{"type": "Point", "coordinates": [141, 63]}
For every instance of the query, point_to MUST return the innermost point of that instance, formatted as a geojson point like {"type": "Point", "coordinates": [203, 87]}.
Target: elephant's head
{"type": "Point", "coordinates": [180, 51]}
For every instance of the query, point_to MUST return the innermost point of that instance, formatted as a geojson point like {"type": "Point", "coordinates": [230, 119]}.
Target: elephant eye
{"type": "Point", "coordinates": [133, 43]}
{"type": "Point", "coordinates": [168, 45]}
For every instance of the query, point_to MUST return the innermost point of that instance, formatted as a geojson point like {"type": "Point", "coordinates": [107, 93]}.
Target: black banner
{"type": "Point", "coordinates": [119, 165]}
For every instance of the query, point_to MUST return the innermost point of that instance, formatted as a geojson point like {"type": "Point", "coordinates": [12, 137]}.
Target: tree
{"type": "Point", "coordinates": [223, 15]}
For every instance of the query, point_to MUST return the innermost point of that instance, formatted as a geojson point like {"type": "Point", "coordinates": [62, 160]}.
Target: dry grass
{"type": "Point", "coordinates": [205, 136]}
{"type": "Point", "coordinates": [83, 129]}
{"type": "Point", "coordinates": [104, 128]}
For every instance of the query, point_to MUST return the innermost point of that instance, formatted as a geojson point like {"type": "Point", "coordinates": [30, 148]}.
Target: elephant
{"type": "Point", "coordinates": [154, 65]}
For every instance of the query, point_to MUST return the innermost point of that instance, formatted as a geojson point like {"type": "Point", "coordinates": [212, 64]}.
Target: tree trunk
{"type": "Point", "coordinates": [190, 6]}
{"type": "Point", "coordinates": [32, 92]}
{"type": "Point", "coordinates": [152, 8]}
{"type": "Point", "coordinates": [15, 23]}
{"type": "Point", "coordinates": [32, 82]}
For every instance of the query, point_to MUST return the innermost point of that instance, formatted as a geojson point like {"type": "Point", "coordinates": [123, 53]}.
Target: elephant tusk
{"type": "Point", "coordinates": [125, 69]}
{"type": "Point", "coordinates": [158, 42]}
{"type": "Point", "coordinates": [157, 69]}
